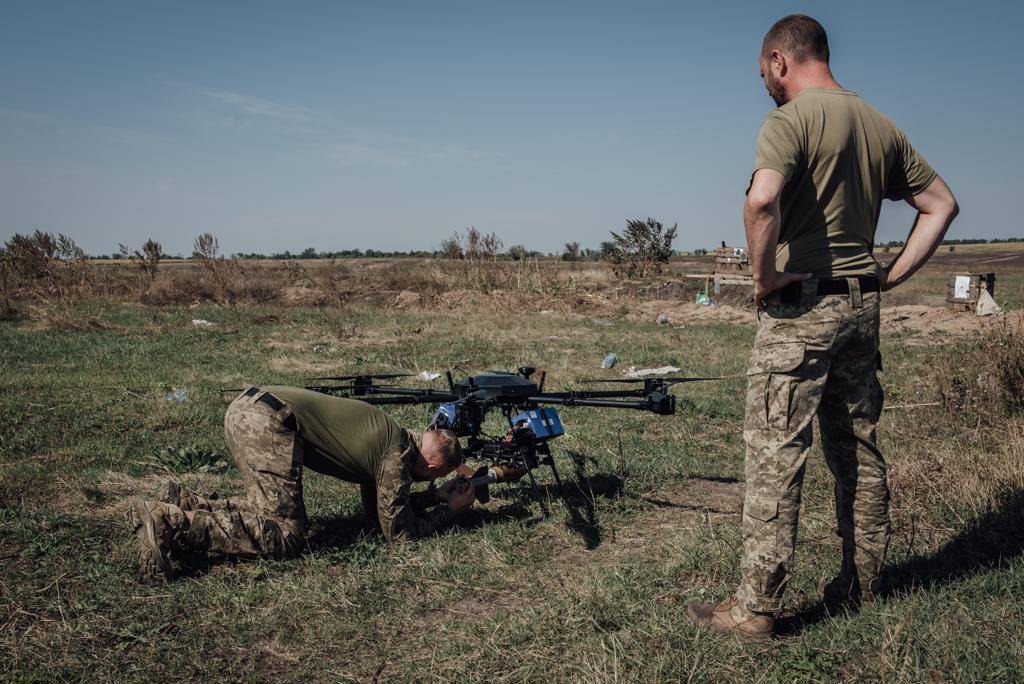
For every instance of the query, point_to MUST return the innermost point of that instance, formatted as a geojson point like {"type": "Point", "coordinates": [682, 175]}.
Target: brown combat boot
{"type": "Point", "coordinates": [719, 618]}
{"type": "Point", "coordinates": [157, 530]}
{"type": "Point", "coordinates": [841, 592]}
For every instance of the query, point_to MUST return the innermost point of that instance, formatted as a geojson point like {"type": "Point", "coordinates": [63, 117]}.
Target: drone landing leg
{"type": "Point", "coordinates": [550, 461]}
{"type": "Point", "coordinates": [536, 490]}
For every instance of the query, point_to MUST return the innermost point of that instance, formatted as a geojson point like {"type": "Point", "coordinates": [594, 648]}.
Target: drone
{"type": "Point", "coordinates": [529, 410]}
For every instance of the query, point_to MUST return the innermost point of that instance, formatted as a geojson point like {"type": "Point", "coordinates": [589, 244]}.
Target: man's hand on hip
{"type": "Point", "coordinates": [776, 280]}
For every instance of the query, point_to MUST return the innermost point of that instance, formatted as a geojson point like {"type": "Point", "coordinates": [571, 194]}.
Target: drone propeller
{"type": "Point", "coordinates": [667, 381]}
{"type": "Point", "coordinates": [369, 376]}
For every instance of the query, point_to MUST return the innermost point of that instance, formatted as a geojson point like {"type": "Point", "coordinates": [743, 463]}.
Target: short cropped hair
{"type": "Point", "coordinates": [448, 447]}
{"type": "Point", "coordinates": [799, 36]}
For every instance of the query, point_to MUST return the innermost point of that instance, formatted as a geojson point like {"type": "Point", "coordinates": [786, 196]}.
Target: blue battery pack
{"type": "Point", "coordinates": [543, 422]}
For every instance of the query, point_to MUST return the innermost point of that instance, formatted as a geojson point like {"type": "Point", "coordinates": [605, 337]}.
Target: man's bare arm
{"type": "Point", "coordinates": [762, 220]}
{"type": "Point", "coordinates": [936, 209]}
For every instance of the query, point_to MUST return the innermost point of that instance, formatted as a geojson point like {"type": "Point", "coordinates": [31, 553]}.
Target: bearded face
{"type": "Point", "coordinates": [775, 89]}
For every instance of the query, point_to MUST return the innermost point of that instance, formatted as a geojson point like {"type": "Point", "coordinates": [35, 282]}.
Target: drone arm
{"type": "Point", "coordinates": [662, 404]}
{"type": "Point", "coordinates": [594, 394]}
{"type": "Point", "coordinates": [388, 395]}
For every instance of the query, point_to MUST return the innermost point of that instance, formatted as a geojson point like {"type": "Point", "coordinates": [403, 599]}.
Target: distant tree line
{"type": "Point", "coordinates": [642, 247]}
{"type": "Point", "coordinates": [959, 241]}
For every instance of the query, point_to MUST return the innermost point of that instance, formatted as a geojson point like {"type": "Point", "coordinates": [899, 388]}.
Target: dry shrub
{"type": "Point", "coordinates": [983, 381]}
{"type": "Point", "coordinates": [220, 274]}
{"type": "Point", "coordinates": [45, 271]}
{"type": "Point", "coordinates": [178, 288]}
{"type": "Point", "coordinates": [147, 260]}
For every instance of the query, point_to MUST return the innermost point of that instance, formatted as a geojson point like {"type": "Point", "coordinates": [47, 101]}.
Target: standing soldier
{"type": "Point", "coordinates": [273, 433]}
{"type": "Point", "coordinates": [825, 160]}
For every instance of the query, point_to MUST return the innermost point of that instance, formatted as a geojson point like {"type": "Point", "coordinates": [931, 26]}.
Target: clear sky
{"type": "Point", "coordinates": [390, 125]}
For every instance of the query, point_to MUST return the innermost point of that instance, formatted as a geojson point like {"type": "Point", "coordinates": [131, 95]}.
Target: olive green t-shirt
{"type": "Point", "coordinates": [840, 158]}
{"type": "Point", "coordinates": [349, 436]}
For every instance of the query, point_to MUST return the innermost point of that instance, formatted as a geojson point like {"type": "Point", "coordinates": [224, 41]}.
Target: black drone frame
{"type": "Point", "coordinates": [466, 403]}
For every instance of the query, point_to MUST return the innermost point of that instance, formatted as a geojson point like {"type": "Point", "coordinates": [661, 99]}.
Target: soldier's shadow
{"type": "Point", "coordinates": [989, 542]}
{"type": "Point", "coordinates": [338, 532]}
{"type": "Point", "coordinates": [343, 531]}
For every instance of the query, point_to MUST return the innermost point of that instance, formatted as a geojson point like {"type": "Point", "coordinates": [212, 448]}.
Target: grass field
{"type": "Point", "coordinates": [596, 592]}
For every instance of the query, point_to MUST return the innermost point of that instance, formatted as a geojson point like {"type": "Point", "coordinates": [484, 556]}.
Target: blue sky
{"type": "Point", "coordinates": [391, 125]}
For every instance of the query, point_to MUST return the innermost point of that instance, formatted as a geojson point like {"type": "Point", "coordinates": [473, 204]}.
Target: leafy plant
{"type": "Point", "coordinates": [192, 459]}
{"type": "Point", "coordinates": [641, 250]}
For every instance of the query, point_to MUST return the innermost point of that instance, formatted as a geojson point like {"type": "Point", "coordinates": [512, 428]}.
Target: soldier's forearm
{"type": "Point", "coordinates": [936, 209]}
{"type": "Point", "coordinates": [762, 229]}
{"type": "Point", "coordinates": [424, 500]}
{"type": "Point", "coordinates": [761, 223]}
{"type": "Point", "coordinates": [925, 238]}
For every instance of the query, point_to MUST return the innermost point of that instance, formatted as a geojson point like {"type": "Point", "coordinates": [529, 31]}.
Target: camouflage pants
{"type": "Point", "coordinates": [818, 358]}
{"type": "Point", "coordinates": [271, 519]}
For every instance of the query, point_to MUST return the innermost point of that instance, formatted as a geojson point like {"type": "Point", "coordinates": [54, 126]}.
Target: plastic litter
{"type": "Point", "coordinates": [428, 376]}
{"type": "Point", "coordinates": [663, 319]}
{"type": "Point", "coordinates": [646, 372]}
{"type": "Point", "coordinates": [178, 396]}
{"type": "Point", "coordinates": [609, 361]}
{"type": "Point", "coordinates": [703, 299]}
{"type": "Point", "coordinates": [201, 323]}
{"type": "Point", "coordinates": [987, 305]}
{"type": "Point", "coordinates": [320, 348]}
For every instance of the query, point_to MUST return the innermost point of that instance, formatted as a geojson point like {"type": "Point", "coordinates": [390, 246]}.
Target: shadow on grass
{"type": "Point", "coordinates": [990, 542]}
{"type": "Point", "coordinates": [581, 495]}
{"type": "Point", "coordinates": [338, 532]}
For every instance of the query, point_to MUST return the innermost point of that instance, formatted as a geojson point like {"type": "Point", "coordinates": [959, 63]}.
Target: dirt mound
{"type": "Point", "coordinates": [303, 296]}
{"type": "Point", "coordinates": [935, 325]}
{"type": "Point", "coordinates": [684, 313]}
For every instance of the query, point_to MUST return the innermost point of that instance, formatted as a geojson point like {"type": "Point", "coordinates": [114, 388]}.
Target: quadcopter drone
{"type": "Point", "coordinates": [528, 409]}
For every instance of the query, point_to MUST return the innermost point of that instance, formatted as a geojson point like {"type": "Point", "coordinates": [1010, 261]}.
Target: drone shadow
{"type": "Point", "coordinates": [581, 498]}
{"type": "Point", "coordinates": [990, 542]}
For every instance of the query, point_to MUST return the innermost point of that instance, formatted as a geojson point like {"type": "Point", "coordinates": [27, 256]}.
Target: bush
{"type": "Point", "coordinates": [986, 380]}
{"type": "Point", "coordinates": [220, 273]}
{"type": "Point", "coordinates": [147, 259]}
{"type": "Point", "coordinates": [42, 268]}
{"type": "Point", "coordinates": [472, 246]}
{"type": "Point", "coordinates": [641, 250]}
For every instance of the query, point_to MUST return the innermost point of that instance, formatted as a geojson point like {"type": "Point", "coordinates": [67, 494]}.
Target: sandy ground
{"type": "Point", "coordinates": [921, 324]}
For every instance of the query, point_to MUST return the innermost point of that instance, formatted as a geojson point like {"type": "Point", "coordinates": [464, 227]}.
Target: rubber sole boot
{"type": "Point", "coordinates": [154, 564]}
{"type": "Point", "coordinates": [719, 618]}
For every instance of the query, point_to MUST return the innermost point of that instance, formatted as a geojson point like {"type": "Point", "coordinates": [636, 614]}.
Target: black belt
{"type": "Point", "coordinates": [267, 398]}
{"type": "Point", "coordinates": [829, 286]}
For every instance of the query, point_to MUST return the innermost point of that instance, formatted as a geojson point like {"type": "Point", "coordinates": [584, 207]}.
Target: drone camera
{"type": "Point", "coordinates": [445, 417]}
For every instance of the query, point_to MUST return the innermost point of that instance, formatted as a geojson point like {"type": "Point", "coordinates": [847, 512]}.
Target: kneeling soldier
{"type": "Point", "coordinates": [273, 432]}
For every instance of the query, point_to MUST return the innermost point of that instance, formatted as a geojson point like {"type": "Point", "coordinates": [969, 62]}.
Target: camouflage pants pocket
{"type": "Point", "coordinates": [771, 385]}
{"type": "Point", "coordinates": [766, 559]}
